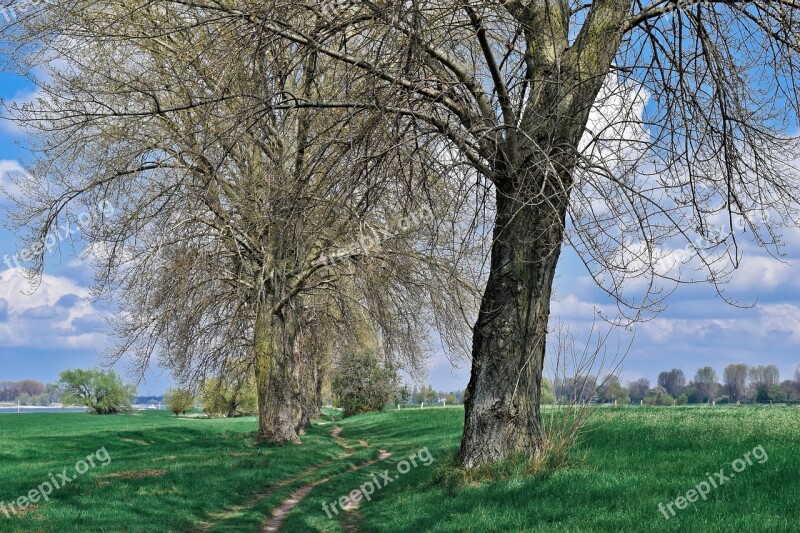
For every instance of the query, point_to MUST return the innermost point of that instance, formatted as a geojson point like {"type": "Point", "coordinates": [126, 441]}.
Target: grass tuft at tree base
{"type": "Point", "coordinates": [551, 457]}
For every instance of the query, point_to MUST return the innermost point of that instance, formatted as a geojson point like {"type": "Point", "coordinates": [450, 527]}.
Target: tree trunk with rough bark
{"type": "Point", "coordinates": [279, 407]}
{"type": "Point", "coordinates": [533, 180]}
{"type": "Point", "coordinates": [504, 393]}
{"type": "Point", "coordinates": [309, 358]}
{"type": "Point", "coordinates": [311, 386]}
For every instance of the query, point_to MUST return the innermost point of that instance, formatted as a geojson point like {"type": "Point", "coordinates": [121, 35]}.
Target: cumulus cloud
{"type": "Point", "coordinates": [59, 314]}
{"type": "Point", "coordinates": [614, 131]}
{"type": "Point", "coordinates": [779, 318]}
{"type": "Point", "coordinates": [43, 312]}
{"type": "Point", "coordinates": [770, 323]}
{"type": "Point", "coordinates": [764, 273]}
{"type": "Point", "coordinates": [571, 307]}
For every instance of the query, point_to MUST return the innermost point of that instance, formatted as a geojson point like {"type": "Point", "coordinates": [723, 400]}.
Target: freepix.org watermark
{"type": "Point", "coordinates": [714, 481]}
{"type": "Point", "coordinates": [60, 234]}
{"type": "Point", "coordinates": [371, 243]}
{"type": "Point", "coordinates": [379, 481]}
{"type": "Point", "coordinates": [58, 481]}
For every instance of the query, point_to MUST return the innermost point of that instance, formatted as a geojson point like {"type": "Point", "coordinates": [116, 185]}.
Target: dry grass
{"type": "Point", "coordinates": [135, 475]}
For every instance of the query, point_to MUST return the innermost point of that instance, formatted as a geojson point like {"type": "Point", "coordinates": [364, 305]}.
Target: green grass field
{"type": "Point", "coordinates": [169, 474]}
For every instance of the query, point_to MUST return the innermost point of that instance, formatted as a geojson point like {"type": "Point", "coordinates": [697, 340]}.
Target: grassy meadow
{"type": "Point", "coordinates": [184, 475]}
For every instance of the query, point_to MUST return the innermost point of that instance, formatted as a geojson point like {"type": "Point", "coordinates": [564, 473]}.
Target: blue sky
{"type": "Point", "coordinates": [59, 327]}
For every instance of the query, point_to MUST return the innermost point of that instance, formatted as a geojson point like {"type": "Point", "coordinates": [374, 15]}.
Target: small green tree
{"type": "Point", "coordinates": [616, 393]}
{"type": "Point", "coordinates": [229, 398]}
{"type": "Point", "coordinates": [658, 395]}
{"type": "Point", "coordinates": [762, 393]}
{"type": "Point", "coordinates": [362, 383]}
{"type": "Point", "coordinates": [692, 394]}
{"type": "Point", "coordinates": [431, 395]}
{"type": "Point", "coordinates": [102, 392]}
{"type": "Point", "coordinates": [179, 401]}
{"type": "Point", "coordinates": [214, 397]}
{"type": "Point", "coordinates": [776, 394]}
{"type": "Point", "coordinates": [667, 400]}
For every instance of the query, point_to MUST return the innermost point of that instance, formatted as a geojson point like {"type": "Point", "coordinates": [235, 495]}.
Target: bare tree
{"type": "Point", "coordinates": [767, 375]}
{"type": "Point", "coordinates": [673, 381]}
{"type": "Point", "coordinates": [638, 389]}
{"type": "Point", "coordinates": [762, 380]}
{"type": "Point", "coordinates": [511, 87]}
{"type": "Point", "coordinates": [734, 377]}
{"type": "Point", "coordinates": [236, 224]}
{"type": "Point", "coordinates": [705, 380]}
{"type": "Point", "coordinates": [540, 108]}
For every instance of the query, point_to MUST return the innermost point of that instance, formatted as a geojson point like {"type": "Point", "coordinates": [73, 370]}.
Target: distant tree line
{"type": "Point", "coordinates": [739, 383]}
{"type": "Point", "coordinates": [102, 392]}
{"type": "Point", "coordinates": [28, 392]}
{"type": "Point", "coordinates": [588, 388]}
{"type": "Point", "coordinates": [427, 394]}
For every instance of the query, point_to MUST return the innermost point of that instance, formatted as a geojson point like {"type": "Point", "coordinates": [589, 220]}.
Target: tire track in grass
{"type": "Point", "coordinates": [279, 515]}
{"type": "Point", "coordinates": [275, 488]}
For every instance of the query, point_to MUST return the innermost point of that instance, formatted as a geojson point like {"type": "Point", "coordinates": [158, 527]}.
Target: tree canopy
{"type": "Point", "coordinates": [652, 138]}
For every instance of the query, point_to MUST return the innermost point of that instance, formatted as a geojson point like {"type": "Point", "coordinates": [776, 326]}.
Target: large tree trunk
{"type": "Point", "coordinates": [533, 180]}
{"type": "Point", "coordinates": [309, 358]}
{"type": "Point", "coordinates": [311, 385]}
{"type": "Point", "coordinates": [504, 392]}
{"type": "Point", "coordinates": [278, 395]}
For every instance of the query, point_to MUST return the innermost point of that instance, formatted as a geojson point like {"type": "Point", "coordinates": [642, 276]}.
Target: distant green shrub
{"type": "Point", "coordinates": [179, 400]}
{"type": "Point", "coordinates": [102, 392]}
{"type": "Point", "coordinates": [223, 397]}
{"type": "Point", "coordinates": [363, 384]}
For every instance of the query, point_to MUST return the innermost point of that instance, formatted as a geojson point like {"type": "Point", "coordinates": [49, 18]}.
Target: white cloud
{"type": "Point", "coordinates": [9, 170]}
{"type": "Point", "coordinates": [59, 314]}
{"type": "Point", "coordinates": [779, 318]}
{"type": "Point", "coordinates": [764, 273]}
{"type": "Point", "coordinates": [614, 132]}
{"type": "Point", "coordinates": [570, 307]}
{"type": "Point", "coordinates": [765, 322]}
{"type": "Point", "coordinates": [698, 329]}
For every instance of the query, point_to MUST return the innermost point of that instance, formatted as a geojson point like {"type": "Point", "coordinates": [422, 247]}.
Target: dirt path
{"type": "Point", "coordinates": [280, 513]}
{"type": "Point", "coordinates": [270, 491]}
